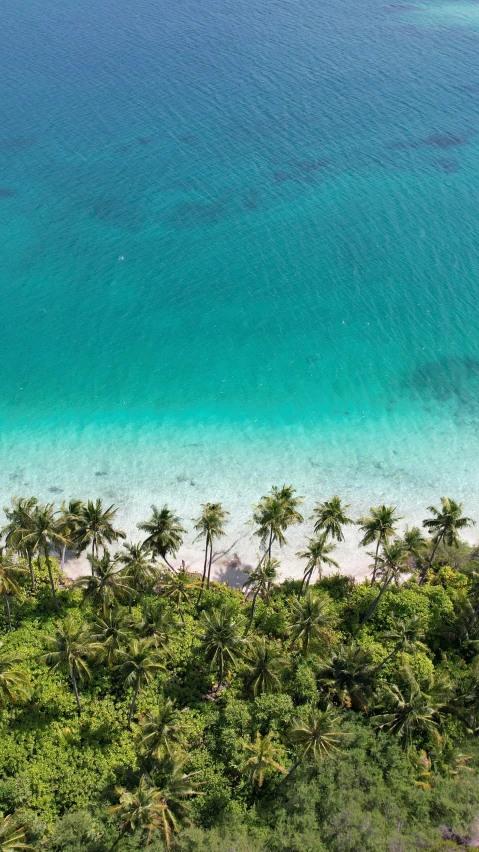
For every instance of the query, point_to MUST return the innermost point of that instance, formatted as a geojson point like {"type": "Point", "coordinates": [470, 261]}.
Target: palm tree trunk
{"type": "Point", "coordinates": [170, 566]}
{"type": "Point", "coordinates": [270, 545]}
{"type": "Point", "coordinates": [374, 604]}
{"type": "Point", "coordinates": [209, 564]}
{"type": "Point", "coordinates": [250, 622]}
{"type": "Point", "coordinates": [52, 583]}
{"type": "Point", "coordinates": [133, 703]}
{"type": "Point", "coordinates": [30, 568]}
{"type": "Point", "coordinates": [428, 564]}
{"type": "Point", "coordinates": [310, 574]}
{"type": "Point", "coordinates": [180, 610]}
{"type": "Point", "coordinates": [203, 578]}
{"type": "Point", "coordinates": [75, 690]}
{"type": "Point", "coordinates": [375, 562]}
{"type": "Point", "coordinates": [302, 584]}
{"type": "Point", "coordinates": [293, 768]}
{"type": "Point", "coordinates": [7, 610]}
{"type": "Point", "coordinates": [386, 659]}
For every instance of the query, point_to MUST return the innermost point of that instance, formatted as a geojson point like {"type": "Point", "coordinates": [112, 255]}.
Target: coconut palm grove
{"type": "Point", "coordinates": [147, 706]}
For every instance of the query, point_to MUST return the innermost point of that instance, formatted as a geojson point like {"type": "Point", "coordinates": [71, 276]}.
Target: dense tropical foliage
{"type": "Point", "coordinates": [145, 706]}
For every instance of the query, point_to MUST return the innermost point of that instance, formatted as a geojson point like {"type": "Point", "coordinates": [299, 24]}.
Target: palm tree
{"type": "Point", "coordinates": [407, 636]}
{"type": "Point", "coordinates": [266, 665]}
{"type": "Point", "coordinates": [138, 809]}
{"type": "Point", "coordinates": [210, 525]}
{"type": "Point", "coordinates": [9, 572]}
{"type": "Point", "coordinates": [106, 585]}
{"type": "Point", "coordinates": [94, 526]}
{"type": "Point", "coordinates": [444, 527]}
{"type": "Point", "coordinates": [69, 521]}
{"type": "Point", "coordinates": [408, 711]}
{"type": "Point", "coordinates": [138, 665]}
{"type": "Point", "coordinates": [221, 641]}
{"type": "Point", "coordinates": [45, 533]}
{"type": "Point", "coordinates": [414, 545]}
{"type": "Point", "coordinates": [274, 513]}
{"type": "Point", "coordinates": [259, 582]}
{"type": "Point", "coordinates": [162, 729]}
{"type": "Point", "coordinates": [347, 675]}
{"type": "Point", "coordinates": [311, 621]}
{"type": "Point", "coordinates": [70, 648]}
{"type": "Point", "coordinates": [138, 571]}
{"type": "Point", "coordinates": [149, 807]}
{"type": "Point", "coordinates": [165, 533]}
{"type": "Point", "coordinates": [157, 624]}
{"type": "Point", "coordinates": [390, 565]}
{"type": "Point", "coordinates": [263, 758]}
{"type": "Point", "coordinates": [317, 555]}
{"type": "Point", "coordinates": [176, 790]}
{"type": "Point", "coordinates": [331, 517]}
{"type": "Point", "coordinates": [316, 735]}
{"type": "Point", "coordinates": [378, 527]}
{"type": "Point", "coordinates": [179, 587]}
{"type": "Point", "coordinates": [12, 835]}
{"type": "Point", "coordinates": [20, 521]}
{"type": "Point", "coordinates": [112, 630]}
{"type": "Point", "coordinates": [14, 683]}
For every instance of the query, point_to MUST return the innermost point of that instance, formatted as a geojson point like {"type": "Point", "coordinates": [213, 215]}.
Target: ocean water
{"type": "Point", "coordinates": [240, 246]}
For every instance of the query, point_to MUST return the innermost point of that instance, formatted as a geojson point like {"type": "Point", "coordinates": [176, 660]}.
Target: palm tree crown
{"type": "Point", "coordinates": [221, 641]}
{"type": "Point", "coordinates": [414, 545]}
{"type": "Point", "coordinates": [317, 555]}
{"type": "Point", "coordinates": [14, 683]}
{"type": "Point", "coordinates": [138, 665]}
{"type": "Point", "coordinates": [263, 758]}
{"type": "Point", "coordinates": [112, 630]}
{"type": "Point", "coordinates": [316, 733]}
{"type": "Point", "coordinates": [12, 835]}
{"type": "Point", "coordinates": [20, 522]}
{"type": "Point", "coordinates": [107, 584]}
{"type": "Point", "coordinates": [444, 526]}
{"type": "Point", "coordinates": [379, 526]}
{"type": "Point", "coordinates": [331, 517]}
{"type": "Point", "coordinates": [70, 648]}
{"type": "Point", "coordinates": [406, 710]}
{"type": "Point", "coordinates": [137, 568]}
{"type": "Point", "coordinates": [210, 525]}
{"type": "Point", "coordinates": [179, 588]}
{"type": "Point", "coordinates": [9, 574]}
{"type": "Point", "coordinates": [94, 525]}
{"type": "Point", "coordinates": [267, 662]}
{"type": "Point", "coordinates": [274, 513]}
{"type": "Point", "coordinates": [46, 532]}
{"type": "Point", "coordinates": [165, 533]}
{"type": "Point", "coordinates": [347, 675]}
{"type": "Point", "coordinates": [311, 620]}
{"type": "Point", "coordinates": [162, 729]}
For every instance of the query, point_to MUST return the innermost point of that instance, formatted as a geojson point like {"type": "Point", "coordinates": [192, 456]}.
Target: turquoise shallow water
{"type": "Point", "coordinates": [240, 244]}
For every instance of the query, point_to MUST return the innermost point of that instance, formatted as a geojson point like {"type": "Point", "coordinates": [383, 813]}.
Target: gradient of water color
{"type": "Point", "coordinates": [240, 245]}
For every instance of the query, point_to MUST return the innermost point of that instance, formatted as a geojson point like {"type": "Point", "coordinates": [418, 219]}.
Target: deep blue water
{"type": "Point", "coordinates": [256, 219]}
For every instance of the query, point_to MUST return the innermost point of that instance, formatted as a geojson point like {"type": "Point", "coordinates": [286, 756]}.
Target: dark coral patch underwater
{"type": "Point", "coordinates": [449, 378]}
{"type": "Point", "coordinates": [446, 140]}
{"type": "Point", "coordinates": [449, 167]}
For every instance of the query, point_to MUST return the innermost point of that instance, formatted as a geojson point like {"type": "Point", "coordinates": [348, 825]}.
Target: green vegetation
{"type": "Point", "coordinates": [144, 706]}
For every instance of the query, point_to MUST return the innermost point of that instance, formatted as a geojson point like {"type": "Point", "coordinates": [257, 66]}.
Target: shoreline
{"type": "Point", "coordinates": [232, 561]}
